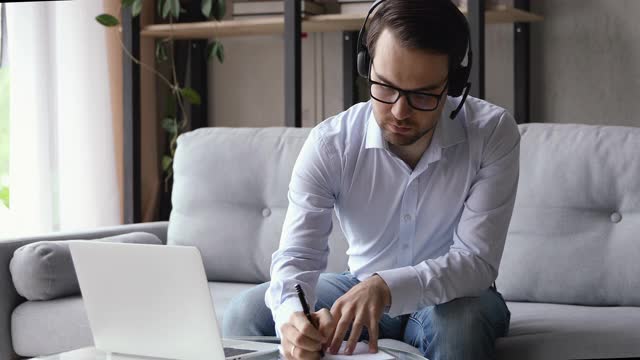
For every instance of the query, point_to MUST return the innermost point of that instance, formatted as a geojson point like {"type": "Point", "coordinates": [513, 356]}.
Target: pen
{"type": "Point", "coordinates": [305, 308]}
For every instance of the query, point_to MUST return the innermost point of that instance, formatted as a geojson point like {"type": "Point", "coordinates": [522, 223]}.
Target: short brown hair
{"type": "Point", "coordinates": [432, 25]}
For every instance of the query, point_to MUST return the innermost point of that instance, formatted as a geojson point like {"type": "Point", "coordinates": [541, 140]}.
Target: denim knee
{"type": "Point", "coordinates": [460, 329]}
{"type": "Point", "coordinates": [248, 315]}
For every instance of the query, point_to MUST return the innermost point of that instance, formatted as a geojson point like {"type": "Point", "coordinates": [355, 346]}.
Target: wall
{"type": "Point", "coordinates": [585, 58]}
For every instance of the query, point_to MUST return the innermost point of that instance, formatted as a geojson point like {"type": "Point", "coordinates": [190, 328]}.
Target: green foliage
{"type": "Point", "coordinates": [136, 7]}
{"type": "Point", "coordinates": [167, 161]}
{"type": "Point", "coordinates": [170, 125]}
{"type": "Point", "coordinates": [216, 49]}
{"type": "Point", "coordinates": [191, 95]}
{"type": "Point", "coordinates": [107, 20]}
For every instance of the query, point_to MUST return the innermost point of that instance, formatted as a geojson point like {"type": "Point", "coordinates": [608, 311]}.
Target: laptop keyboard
{"type": "Point", "coordinates": [229, 351]}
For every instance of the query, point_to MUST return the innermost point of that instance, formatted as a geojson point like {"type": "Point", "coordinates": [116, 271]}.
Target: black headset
{"type": "Point", "coordinates": [458, 83]}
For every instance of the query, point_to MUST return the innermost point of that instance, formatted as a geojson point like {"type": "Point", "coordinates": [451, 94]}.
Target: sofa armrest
{"type": "Point", "coordinates": [9, 298]}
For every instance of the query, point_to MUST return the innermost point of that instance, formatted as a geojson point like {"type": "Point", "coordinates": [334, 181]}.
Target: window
{"type": "Point", "coordinates": [4, 116]}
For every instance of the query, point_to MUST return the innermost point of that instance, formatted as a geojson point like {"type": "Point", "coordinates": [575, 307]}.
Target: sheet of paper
{"type": "Point", "coordinates": [361, 352]}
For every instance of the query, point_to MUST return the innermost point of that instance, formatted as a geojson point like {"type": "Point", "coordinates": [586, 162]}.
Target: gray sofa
{"type": "Point", "coordinates": [570, 269]}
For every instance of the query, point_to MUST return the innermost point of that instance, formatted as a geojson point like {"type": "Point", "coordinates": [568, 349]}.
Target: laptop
{"type": "Point", "coordinates": [153, 301]}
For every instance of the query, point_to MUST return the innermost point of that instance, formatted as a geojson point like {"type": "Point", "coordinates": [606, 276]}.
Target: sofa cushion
{"type": "Point", "coordinates": [230, 198]}
{"type": "Point", "coordinates": [44, 270]}
{"type": "Point", "coordinates": [574, 235]}
{"type": "Point", "coordinates": [47, 327]}
{"type": "Point", "coordinates": [555, 331]}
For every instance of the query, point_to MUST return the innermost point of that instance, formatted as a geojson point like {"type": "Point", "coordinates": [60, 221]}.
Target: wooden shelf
{"type": "Point", "coordinates": [317, 23]}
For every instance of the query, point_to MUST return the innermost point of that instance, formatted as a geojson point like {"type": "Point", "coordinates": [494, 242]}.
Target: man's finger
{"type": "Point", "coordinates": [326, 324]}
{"type": "Point", "coordinates": [373, 336]}
{"type": "Point", "coordinates": [356, 330]}
{"type": "Point", "coordinates": [338, 336]}
{"type": "Point", "coordinates": [296, 352]}
{"type": "Point", "coordinates": [295, 337]}
{"type": "Point", "coordinates": [305, 327]}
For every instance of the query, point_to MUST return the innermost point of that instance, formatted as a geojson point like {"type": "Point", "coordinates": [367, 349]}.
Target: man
{"type": "Point", "coordinates": [423, 185]}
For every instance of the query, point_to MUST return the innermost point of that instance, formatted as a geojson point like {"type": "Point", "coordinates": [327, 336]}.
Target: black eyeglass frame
{"type": "Point", "coordinates": [402, 92]}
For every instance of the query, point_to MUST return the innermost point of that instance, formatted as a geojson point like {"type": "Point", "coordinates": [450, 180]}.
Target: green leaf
{"type": "Point", "coordinates": [170, 125]}
{"type": "Point", "coordinates": [215, 48]}
{"type": "Point", "coordinates": [107, 20]}
{"type": "Point", "coordinates": [167, 161]}
{"type": "Point", "coordinates": [136, 8]}
{"type": "Point", "coordinates": [159, 6]}
{"type": "Point", "coordinates": [161, 51]}
{"type": "Point", "coordinates": [206, 8]}
{"type": "Point", "coordinates": [221, 9]}
{"type": "Point", "coordinates": [175, 8]}
{"type": "Point", "coordinates": [127, 3]}
{"type": "Point", "coordinates": [166, 8]}
{"type": "Point", "coordinates": [191, 95]}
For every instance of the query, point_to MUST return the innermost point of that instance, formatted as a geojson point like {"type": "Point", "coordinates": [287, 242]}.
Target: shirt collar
{"type": "Point", "coordinates": [447, 133]}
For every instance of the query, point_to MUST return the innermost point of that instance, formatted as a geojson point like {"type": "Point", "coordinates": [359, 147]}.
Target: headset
{"type": "Point", "coordinates": [458, 83]}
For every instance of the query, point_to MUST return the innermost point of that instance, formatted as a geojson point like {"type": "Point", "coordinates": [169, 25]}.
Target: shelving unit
{"type": "Point", "coordinates": [317, 23]}
{"type": "Point", "coordinates": [291, 25]}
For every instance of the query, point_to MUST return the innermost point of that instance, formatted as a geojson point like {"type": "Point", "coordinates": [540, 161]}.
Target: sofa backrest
{"type": "Point", "coordinates": [230, 198]}
{"type": "Point", "coordinates": [575, 232]}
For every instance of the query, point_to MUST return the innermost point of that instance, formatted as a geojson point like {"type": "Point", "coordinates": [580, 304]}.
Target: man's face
{"type": "Point", "coordinates": [407, 69]}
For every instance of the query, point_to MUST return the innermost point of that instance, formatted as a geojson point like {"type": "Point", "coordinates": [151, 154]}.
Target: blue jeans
{"type": "Point", "coordinates": [464, 328]}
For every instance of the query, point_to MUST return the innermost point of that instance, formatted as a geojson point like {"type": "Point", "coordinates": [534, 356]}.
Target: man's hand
{"type": "Point", "coordinates": [301, 339]}
{"type": "Point", "coordinates": [361, 306]}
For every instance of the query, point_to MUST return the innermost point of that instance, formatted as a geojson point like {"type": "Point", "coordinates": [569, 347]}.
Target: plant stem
{"type": "Point", "coordinates": [149, 68]}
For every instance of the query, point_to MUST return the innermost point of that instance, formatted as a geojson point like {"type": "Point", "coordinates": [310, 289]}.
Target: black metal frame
{"type": "Point", "coordinates": [349, 68]}
{"type": "Point", "coordinates": [292, 64]}
{"type": "Point", "coordinates": [131, 117]}
{"type": "Point", "coordinates": [476, 26]}
{"type": "Point", "coordinates": [521, 63]}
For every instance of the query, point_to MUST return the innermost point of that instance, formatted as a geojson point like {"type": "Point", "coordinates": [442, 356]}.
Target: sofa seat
{"type": "Point", "coordinates": [555, 331]}
{"type": "Point", "coordinates": [53, 326]}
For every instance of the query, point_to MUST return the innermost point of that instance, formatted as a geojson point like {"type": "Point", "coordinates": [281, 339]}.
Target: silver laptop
{"type": "Point", "coordinates": [152, 300]}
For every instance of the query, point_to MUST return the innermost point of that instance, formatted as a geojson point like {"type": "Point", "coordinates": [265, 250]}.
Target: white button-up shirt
{"type": "Point", "coordinates": [434, 233]}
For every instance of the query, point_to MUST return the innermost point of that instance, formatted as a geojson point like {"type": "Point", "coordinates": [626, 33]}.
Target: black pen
{"type": "Point", "coordinates": [305, 308]}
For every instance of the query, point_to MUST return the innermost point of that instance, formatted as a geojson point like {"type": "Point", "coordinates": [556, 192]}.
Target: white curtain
{"type": "Point", "coordinates": [62, 156]}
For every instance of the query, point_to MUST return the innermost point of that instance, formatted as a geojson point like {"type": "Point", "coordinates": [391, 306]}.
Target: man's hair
{"type": "Point", "coordinates": [431, 25]}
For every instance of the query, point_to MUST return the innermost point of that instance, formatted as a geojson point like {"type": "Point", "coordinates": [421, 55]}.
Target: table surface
{"type": "Point", "coordinates": [91, 353]}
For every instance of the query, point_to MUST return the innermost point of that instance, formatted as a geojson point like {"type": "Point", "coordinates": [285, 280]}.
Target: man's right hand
{"type": "Point", "coordinates": [301, 340]}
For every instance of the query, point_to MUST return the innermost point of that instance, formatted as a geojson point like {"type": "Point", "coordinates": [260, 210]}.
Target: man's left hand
{"type": "Point", "coordinates": [362, 306]}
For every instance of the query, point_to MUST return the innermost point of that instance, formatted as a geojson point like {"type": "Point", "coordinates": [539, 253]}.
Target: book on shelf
{"type": "Point", "coordinates": [355, 7]}
{"type": "Point", "coordinates": [273, 8]}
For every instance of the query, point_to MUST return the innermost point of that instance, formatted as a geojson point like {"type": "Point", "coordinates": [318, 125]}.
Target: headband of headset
{"type": "Point", "coordinates": [458, 72]}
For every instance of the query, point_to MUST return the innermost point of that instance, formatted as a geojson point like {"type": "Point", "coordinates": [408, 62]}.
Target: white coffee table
{"type": "Point", "coordinates": [395, 348]}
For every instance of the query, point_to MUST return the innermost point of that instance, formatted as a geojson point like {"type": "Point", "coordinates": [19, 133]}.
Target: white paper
{"type": "Point", "coordinates": [361, 352]}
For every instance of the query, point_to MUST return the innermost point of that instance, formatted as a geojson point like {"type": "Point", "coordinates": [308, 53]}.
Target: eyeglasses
{"type": "Point", "coordinates": [388, 94]}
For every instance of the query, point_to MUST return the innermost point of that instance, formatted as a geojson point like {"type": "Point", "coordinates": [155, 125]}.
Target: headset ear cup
{"type": "Point", "coordinates": [363, 63]}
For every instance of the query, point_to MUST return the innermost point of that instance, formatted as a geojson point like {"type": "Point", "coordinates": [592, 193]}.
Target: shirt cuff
{"type": "Point", "coordinates": [406, 290]}
{"type": "Point", "coordinates": [283, 312]}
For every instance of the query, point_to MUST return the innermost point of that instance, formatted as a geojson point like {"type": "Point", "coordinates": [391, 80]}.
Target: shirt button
{"type": "Point", "coordinates": [266, 212]}
{"type": "Point", "coordinates": [616, 217]}
{"type": "Point", "coordinates": [407, 217]}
